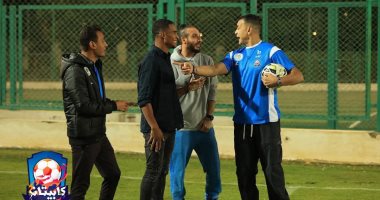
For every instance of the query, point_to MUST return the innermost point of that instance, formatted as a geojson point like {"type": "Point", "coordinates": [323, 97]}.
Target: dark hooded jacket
{"type": "Point", "coordinates": [84, 107]}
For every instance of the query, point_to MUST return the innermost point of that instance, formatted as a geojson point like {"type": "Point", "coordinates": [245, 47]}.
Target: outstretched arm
{"type": "Point", "coordinates": [212, 70]}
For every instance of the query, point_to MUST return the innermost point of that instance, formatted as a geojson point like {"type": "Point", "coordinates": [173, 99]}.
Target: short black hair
{"type": "Point", "coordinates": [160, 25]}
{"type": "Point", "coordinates": [87, 34]}
{"type": "Point", "coordinates": [182, 29]}
{"type": "Point", "coordinates": [254, 20]}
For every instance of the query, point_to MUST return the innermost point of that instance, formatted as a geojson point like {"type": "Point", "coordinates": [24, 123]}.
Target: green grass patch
{"type": "Point", "coordinates": [305, 181]}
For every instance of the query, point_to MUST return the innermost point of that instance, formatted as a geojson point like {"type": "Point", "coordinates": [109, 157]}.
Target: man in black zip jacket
{"type": "Point", "coordinates": [86, 106]}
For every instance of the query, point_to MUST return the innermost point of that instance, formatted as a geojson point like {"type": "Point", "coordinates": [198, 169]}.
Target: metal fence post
{"type": "Point", "coordinates": [3, 77]}
{"type": "Point", "coordinates": [160, 9]}
{"type": "Point", "coordinates": [182, 18]}
{"type": "Point", "coordinates": [332, 57]}
{"type": "Point", "coordinates": [20, 66]}
{"type": "Point", "coordinates": [264, 31]}
{"type": "Point", "coordinates": [150, 26]}
{"type": "Point", "coordinates": [170, 10]}
{"type": "Point", "coordinates": [253, 7]}
{"type": "Point", "coordinates": [12, 55]}
{"type": "Point", "coordinates": [368, 59]}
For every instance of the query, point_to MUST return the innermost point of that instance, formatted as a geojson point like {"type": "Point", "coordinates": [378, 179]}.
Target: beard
{"type": "Point", "coordinates": [193, 49]}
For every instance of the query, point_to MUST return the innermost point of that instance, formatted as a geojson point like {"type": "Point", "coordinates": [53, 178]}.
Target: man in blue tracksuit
{"type": "Point", "coordinates": [197, 98]}
{"type": "Point", "coordinates": [257, 114]}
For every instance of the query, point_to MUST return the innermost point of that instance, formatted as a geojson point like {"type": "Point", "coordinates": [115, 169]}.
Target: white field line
{"type": "Point", "coordinates": [291, 190]}
{"type": "Point", "coordinates": [290, 187]}
{"type": "Point", "coordinates": [356, 123]}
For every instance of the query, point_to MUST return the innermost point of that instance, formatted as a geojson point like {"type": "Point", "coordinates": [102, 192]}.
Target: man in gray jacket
{"type": "Point", "coordinates": [197, 98]}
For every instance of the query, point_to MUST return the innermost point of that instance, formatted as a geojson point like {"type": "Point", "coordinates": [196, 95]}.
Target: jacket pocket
{"type": "Point", "coordinates": [71, 122]}
{"type": "Point", "coordinates": [84, 127]}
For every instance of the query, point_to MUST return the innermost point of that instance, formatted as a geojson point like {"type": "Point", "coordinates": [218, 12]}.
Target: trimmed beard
{"type": "Point", "coordinates": [192, 49]}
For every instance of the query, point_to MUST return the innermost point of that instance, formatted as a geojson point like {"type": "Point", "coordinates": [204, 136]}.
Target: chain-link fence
{"type": "Point", "coordinates": [328, 41]}
{"type": "Point", "coordinates": [39, 34]}
{"type": "Point", "coordinates": [329, 46]}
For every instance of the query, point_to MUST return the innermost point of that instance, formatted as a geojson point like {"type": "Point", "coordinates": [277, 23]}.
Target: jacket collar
{"type": "Point", "coordinates": [89, 62]}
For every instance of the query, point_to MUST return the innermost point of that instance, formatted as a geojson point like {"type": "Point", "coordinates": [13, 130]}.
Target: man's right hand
{"type": "Point", "coordinates": [156, 139]}
{"type": "Point", "coordinates": [186, 67]}
{"type": "Point", "coordinates": [122, 105]}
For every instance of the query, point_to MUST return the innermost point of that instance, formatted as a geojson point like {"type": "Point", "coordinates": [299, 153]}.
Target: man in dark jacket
{"type": "Point", "coordinates": [161, 111]}
{"type": "Point", "coordinates": [86, 106]}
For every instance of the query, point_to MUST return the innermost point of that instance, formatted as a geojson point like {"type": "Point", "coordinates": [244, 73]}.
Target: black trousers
{"type": "Point", "coordinates": [259, 142]}
{"type": "Point", "coordinates": [157, 165]}
{"type": "Point", "coordinates": [102, 155]}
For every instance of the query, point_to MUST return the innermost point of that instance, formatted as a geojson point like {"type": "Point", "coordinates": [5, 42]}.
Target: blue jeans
{"type": "Point", "coordinates": [206, 148]}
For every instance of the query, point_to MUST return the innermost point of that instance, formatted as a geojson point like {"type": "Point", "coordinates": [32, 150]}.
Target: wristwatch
{"type": "Point", "coordinates": [279, 83]}
{"type": "Point", "coordinates": [210, 117]}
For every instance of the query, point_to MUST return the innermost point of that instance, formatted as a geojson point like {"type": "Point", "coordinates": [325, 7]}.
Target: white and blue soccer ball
{"type": "Point", "coordinates": [274, 69]}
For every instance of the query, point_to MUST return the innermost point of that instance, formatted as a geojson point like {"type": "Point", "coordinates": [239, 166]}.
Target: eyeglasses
{"type": "Point", "coordinates": [197, 36]}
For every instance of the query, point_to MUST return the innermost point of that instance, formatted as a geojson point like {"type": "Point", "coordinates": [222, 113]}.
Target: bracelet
{"type": "Point", "coordinates": [210, 117]}
{"type": "Point", "coordinates": [279, 83]}
{"type": "Point", "coordinates": [194, 70]}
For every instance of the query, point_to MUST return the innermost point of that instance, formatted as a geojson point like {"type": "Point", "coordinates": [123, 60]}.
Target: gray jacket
{"type": "Point", "coordinates": [193, 103]}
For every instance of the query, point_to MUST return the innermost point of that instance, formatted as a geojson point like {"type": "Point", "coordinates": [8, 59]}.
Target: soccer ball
{"type": "Point", "coordinates": [275, 69]}
{"type": "Point", "coordinates": [47, 171]}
